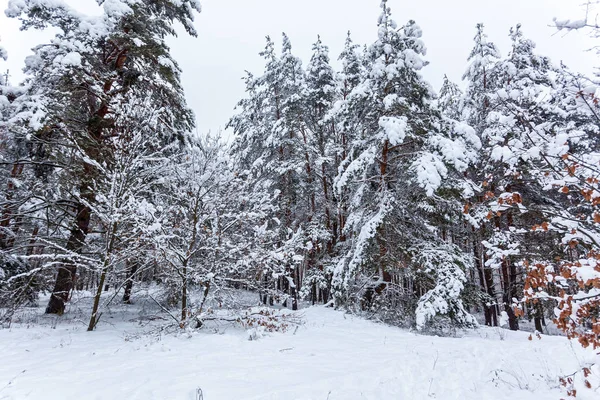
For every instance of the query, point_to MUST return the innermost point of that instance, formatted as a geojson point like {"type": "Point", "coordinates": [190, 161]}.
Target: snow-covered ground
{"type": "Point", "coordinates": [332, 356]}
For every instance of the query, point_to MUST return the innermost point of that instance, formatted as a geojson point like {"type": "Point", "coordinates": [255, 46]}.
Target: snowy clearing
{"type": "Point", "coordinates": [332, 356]}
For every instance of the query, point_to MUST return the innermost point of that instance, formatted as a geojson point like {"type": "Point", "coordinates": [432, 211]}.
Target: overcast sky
{"type": "Point", "coordinates": [231, 34]}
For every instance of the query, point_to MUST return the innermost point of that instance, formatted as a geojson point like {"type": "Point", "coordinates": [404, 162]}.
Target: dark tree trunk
{"type": "Point", "coordinates": [488, 315]}
{"type": "Point", "coordinates": [184, 296]}
{"type": "Point", "coordinates": [513, 321]}
{"type": "Point", "coordinates": [490, 286]}
{"type": "Point", "coordinates": [264, 298]}
{"type": "Point", "coordinates": [133, 266]}
{"type": "Point", "coordinates": [82, 278]}
{"type": "Point", "coordinates": [95, 317]}
{"type": "Point", "coordinates": [538, 324]}
{"type": "Point", "coordinates": [538, 317]}
{"type": "Point", "coordinates": [509, 275]}
{"type": "Point", "coordinates": [34, 234]}
{"type": "Point", "coordinates": [295, 289]}
{"type": "Point", "coordinates": [294, 299]}
{"type": "Point", "coordinates": [327, 212]}
{"type": "Point", "coordinates": [487, 310]}
{"type": "Point", "coordinates": [494, 312]}
{"type": "Point", "coordinates": [68, 268]}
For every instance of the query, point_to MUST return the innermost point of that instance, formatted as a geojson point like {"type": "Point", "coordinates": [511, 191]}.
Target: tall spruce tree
{"type": "Point", "coordinates": [400, 160]}
{"type": "Point", "coordinates": [273, 145]}
{"type": "Point", "coordinates": [523, 78]}
{"type": "Point", "coordinates": [481, 81]}
{"type": "Point", "coordinates": [320, 151]}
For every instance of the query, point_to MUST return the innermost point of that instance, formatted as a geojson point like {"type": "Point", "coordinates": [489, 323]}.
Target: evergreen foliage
{"type": "Point", "coordinates": [360, 188]}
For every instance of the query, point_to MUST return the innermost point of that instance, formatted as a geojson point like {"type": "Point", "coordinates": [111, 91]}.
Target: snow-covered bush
{"type": "Point", "coordinates": [260, 321]}
{"type": "Point", "coordinates": [19, 286]}
{"type": "Point", "coordinates": [444, 265]}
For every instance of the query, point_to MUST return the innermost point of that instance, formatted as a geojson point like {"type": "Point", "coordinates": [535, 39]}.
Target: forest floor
{"type": "Point", "coordinates": [330, 355]}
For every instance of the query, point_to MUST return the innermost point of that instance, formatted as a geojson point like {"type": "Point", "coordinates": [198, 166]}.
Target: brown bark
{"type": "Point", "coordinates": [383, 185]}
{"type": "Point", "coordinates": [309, 178]}
{"type": "Point", "coordinates": [509, 274]}
{"type": "Point", "coordinates": [31, 247]}
{"type": "Point", "coordinates": [384, 162]}
{"type": "Point", "coordinates": [68, 268]}
{"type": "Point", "coordinates": [342, 223]}
{"type": "Point", "coordinates": [331, 242]}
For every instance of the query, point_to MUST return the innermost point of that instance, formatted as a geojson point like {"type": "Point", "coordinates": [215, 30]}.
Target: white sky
{"type": "Point", "coordinates": [231, 34]}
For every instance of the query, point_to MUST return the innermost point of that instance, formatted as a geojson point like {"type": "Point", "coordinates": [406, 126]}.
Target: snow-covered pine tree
{"type": "Point", "coordinates": [566, 145]}
{"type": "Point", "coordinates": [271, 147]}
{"type": "Point", "coordinates": [320, 151]}
{"type": "Point", "coordinates": [319, 98]}
{"type": "Point", "coordinates": [352, 68]}
{"type": "Point", "coordinates": [450, 99]}
{"type": "Point", "coordinates": [345, 122]}
{"type": "Point", "coordinates": [18, 286]}
{"type": "Point", "coordinates": [7, 98]}
{"type": "Point", "coordinates": [349, 77]}
{"type": "Point", "coordinates": [11, 150]}
{"type": "Point", "coordinates": [513, 196]}
{"type": "Point", "coordinates": [480, 78]}
{"type": "Point", "coordinates": [400, 163]}
{"type": "Point", "coordinates": [94, 65]}
{"type": "Point", "coordinates": [552, 147]}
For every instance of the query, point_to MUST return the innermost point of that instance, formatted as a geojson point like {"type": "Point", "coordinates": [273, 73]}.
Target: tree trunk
{"type": "Point", "coordinates": [493, 308]}
{"type": "Point", "coordinates": [184, 295]}
{"type": "Point", "coordinates": [133, 266]}
{"type": "Point", "coordinates": [382, 189]}
{"type": "Point", "coordinates": [32, 240]}
{"type": "Point", "coordinates": [111, 237]}
{"type": "Point", "coordinates": [538, 316]}
{"type": "Point", "coordinates": [513, 322]}
{"type": "Point", "coordinates": [295, 287]}
{"type": "Point", "coordinates": [482, 281]}
{"type": "Point", "coordinates": [327, 212]}
{"type": "Point", "coordinates": [68, 268]}
{"type": "Point", "coordinates": [95, 317]}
